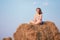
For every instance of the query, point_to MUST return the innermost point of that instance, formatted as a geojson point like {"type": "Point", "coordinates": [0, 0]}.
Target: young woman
{"type": "Point", "coordinates": [37, 17]}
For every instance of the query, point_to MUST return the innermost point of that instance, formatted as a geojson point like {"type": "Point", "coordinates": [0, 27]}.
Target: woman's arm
{"type": "Point", "coordinates": [35, 17]}
{"type": "Point", "coordinates": [39, 20]}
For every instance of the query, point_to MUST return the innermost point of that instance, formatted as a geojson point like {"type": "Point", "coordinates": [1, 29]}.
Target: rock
{"type": "Point", "coordinates": [9, 38]}
{"type": "Point", "coordinates": [45, 31]}
{"type": "Point", "coordinates": [57, 36]}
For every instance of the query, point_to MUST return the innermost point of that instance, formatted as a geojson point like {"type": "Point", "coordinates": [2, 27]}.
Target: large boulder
{"type": "Point", "coordinates": [44, 31]}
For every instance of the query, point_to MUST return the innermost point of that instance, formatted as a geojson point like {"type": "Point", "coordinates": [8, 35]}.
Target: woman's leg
{"type": "Point", "coordinates": [32, 22]}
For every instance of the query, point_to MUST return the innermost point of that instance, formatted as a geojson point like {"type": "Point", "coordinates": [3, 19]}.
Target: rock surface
{"type": "Point", "coordinates": [9, 38]}
{"type": "Point", "coordinates": [45, 31]}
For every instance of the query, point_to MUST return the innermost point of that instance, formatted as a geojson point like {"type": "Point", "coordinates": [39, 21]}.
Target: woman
{"type": "Point", "coordinates": [37, 17]}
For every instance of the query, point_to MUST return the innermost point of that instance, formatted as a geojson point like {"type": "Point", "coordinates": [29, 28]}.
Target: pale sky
{"type": "Point", "coordinates": [15, 12]}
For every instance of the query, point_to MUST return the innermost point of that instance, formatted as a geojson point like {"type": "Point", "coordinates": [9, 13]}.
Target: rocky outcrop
{"type": "Point", "coordinates": [9, 38]}
{"type": "Point", "coordinates": [44, 31]}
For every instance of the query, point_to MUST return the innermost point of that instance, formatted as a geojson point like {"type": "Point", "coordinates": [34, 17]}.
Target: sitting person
{"type": "Point", "coordinates": [37, 17]}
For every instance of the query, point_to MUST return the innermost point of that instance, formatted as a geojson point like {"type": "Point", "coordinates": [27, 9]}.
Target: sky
{"type": "Point", "coordinates": [16, 12]}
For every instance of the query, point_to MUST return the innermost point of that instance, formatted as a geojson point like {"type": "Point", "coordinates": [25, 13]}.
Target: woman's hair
{"type": "Point", "coordinates": [40, 12]}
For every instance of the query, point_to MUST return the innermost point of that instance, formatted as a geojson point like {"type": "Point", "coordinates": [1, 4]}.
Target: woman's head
{"type": "Point", "coordinates": [38, 10]}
